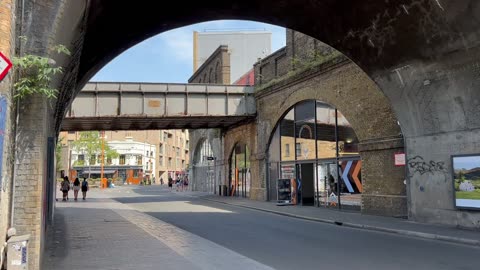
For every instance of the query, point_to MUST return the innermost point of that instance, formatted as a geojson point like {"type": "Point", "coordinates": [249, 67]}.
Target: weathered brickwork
{"type": "Point", "coordinates": [343, 85]}
{"type": "Point", "coordinates": [247, 134]}
{"type": "Point", "coordinates": [7, 46]}
{"type": "Point", "coordinates": [215, 70]}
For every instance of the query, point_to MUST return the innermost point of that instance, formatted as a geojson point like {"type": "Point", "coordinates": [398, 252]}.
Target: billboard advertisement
{"type": "Point", "coordinates": [466, 181]}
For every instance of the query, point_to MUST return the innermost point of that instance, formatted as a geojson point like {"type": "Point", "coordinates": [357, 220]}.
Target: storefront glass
{"type": "Point", "coordinates": [317, 149]}
{"type": "Point", "coordinates": [240, 171]}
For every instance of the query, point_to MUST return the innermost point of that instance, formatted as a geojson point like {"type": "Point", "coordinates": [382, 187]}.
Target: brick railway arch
{"type": "Point", "coordinates": [370, 115]}
{"type": "Point", "coordinates": [384, 38]}
{"type": "Point", "coordinates": [422, 54]}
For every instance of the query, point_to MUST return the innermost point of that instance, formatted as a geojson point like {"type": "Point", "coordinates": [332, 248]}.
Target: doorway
{"type": "Point", "coordinates": [306, 179]}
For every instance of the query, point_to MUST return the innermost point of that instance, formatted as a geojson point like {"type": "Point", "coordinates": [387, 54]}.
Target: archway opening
{"type": "Point", "coordinates": [313, 158]}
{"type": "Point", "coordinates": [203, 168]}
{"type": "Point", "coordinates": [239, 171]}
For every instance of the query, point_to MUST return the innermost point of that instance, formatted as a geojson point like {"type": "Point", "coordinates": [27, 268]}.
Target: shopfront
{"type": "Point", "coordinates": [315, 147]}
{"type": "Point", "coordinates": [239, 180]}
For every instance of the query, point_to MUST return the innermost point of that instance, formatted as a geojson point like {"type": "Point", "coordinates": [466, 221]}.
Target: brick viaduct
{"type": "Point", "coordinates": [421, 57]}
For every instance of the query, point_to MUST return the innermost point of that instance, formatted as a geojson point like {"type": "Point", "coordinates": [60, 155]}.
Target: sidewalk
{"type": "Point", "coordinates": [355, 220]}
{"type": "Point", "coordinates": [101, 233]}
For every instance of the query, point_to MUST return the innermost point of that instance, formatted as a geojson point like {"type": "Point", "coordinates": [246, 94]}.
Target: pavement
{"type": "Point", "coordinates": [101, 233]}
{"type": "Point", "coordinates": [154, 228]}
{"type": "Point", "coordinates": [356, 220]}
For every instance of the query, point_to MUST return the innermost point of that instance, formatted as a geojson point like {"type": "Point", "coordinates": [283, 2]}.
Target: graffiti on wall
{"type": "Point", "coordinates": [418, 165]}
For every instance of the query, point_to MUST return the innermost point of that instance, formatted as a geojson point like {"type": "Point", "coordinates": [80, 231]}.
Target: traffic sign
{"type": "Point", "coordinates": [5, 66]}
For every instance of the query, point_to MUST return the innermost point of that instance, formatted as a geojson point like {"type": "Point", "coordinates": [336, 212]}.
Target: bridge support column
{"type": "Point", "coordinates": [384, 190]}
{"type": "Point", "coordinates": [30, 200]}
{"type": "Point", "coordinates": [7, 45]}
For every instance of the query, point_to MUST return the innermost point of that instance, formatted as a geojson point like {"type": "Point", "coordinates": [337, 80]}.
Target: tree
{"type": "Point", "coordinates": [58, 153]}
{"type": "Point", "coordinates": [90, 145]}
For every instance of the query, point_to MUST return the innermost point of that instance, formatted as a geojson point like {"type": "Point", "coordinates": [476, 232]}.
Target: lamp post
{"type": "Point", "coordinates": [102, 134]}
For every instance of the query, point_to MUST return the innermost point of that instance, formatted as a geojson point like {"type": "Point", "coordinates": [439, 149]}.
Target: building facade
{"type": "Point", "coordinates": [168, 150]}
{"type": "Point", "coordinates": [135, 161]}
{"type": "Point", "coordinates": [244, 49]}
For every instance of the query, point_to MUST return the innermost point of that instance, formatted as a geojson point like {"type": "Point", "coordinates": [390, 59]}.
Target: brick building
{"type": "Point", "coordinates": [171, 148]}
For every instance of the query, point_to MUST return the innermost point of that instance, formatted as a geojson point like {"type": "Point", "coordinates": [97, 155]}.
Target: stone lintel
{"type": "Point", "coordinates": [381, 144]}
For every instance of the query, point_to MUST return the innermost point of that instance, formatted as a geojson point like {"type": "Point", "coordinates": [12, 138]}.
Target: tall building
{"type": "Point", "coordinates": [244, 48]}
{"type": "Point", "coordinates": [171, 150]}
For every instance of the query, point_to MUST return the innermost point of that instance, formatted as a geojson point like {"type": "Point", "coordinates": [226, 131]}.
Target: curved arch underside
{"type": "Point", "coordinates": [375, 34]}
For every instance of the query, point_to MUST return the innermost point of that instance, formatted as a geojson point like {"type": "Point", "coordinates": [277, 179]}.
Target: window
{"type": "Point", "coordinates": [160, 148]}
{"type": "Point", "coordinates": [183, 164]}
{"type": "Point", "coordinates": [122, 159]}
{"type": "Point", "coordinates": [135, 173]}
{"type": "Point", "coordinates": [298, 149]}
{"type": "Point", "coordinates": [178, 151]}
{"type": "Point", "coordinates": [160, 160]}
{"type": "Point", "coordinates": [109, 161]}
{"type": "Point", "coordinates": [169, 162]}
{"type": "Point", "coordinates": [139, 160]}
{"type": "Point", "coordinates": [81, 160]}
{"type": "Point", "coordinates": [165, 136]}
{"type": "Point", "coordinates": [287, 149]}
{"type": "Point", "coordinates": [147, 154]}
{"type": "Point", "coordinates": [93, 160]}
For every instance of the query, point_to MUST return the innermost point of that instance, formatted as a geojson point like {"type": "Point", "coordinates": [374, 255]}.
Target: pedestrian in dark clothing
{"type": "Point", "coordinates": [84, 188]}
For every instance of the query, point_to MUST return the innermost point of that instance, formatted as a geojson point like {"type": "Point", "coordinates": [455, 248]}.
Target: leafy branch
{"type": "Point", "coordinates": [36, 73]}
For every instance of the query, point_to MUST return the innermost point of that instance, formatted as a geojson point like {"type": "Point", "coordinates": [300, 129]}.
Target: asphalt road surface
{"type": "Point", "coordinates": [289, 243]}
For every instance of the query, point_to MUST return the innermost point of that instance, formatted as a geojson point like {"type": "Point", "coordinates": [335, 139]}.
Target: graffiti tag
{"type": "Point", "coordinates": [418, 165]}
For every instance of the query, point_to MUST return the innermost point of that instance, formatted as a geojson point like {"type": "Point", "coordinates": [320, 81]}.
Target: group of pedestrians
{"type": "Point", "coordinates": [181, 184]}
{"type": "Point", "coordinates": [76, 186]}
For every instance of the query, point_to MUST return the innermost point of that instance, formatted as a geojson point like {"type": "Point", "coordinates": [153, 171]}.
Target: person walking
{"type": "Point", "coordinates": [170, 183]}
{"type": "Point", "coordinates": [76, 188]}
{"type": "Point", "coordinates": [65, 187]}
{"type": "Point", "coordinates": [84, 188]}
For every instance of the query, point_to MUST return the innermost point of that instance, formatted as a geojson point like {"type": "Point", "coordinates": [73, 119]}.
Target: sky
{"type": "Point", "coordinates": [466, 162]}
{"type": "Point", "coordinates": [168, 57]}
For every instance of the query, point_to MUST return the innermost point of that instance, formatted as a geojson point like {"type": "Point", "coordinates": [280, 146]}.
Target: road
{"type": "Point", "coordinates": [288, 243]}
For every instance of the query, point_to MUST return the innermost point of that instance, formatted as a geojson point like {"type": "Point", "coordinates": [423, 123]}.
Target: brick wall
{"type": "Point", "coordinates": [7, 44]}
{"type": "Point", "coordinates": [343, 85]}
{"type": "Point", "coordinates": [216, 70]}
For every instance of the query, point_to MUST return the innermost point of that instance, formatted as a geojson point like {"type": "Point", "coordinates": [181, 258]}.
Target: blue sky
{"type": "Point", "coordinates": [168, 57]}
{"type": "Point", "coordinates": [466, 162]}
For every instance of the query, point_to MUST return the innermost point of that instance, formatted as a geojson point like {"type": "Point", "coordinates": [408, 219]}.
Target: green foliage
{"type": "Point", "coordinates": [36, 73]}
{"type": "Point", "coordinates": [313, 59]}
{"type": "Point", "coordinates": [472, 195]}
{"type": "Point", "coordinates": [90, 145]}
{"type": "Point", "coordinates": [58, 153]}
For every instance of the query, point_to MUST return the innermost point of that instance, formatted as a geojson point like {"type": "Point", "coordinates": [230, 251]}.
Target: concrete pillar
{"type": "Point", "coordinates": [383, 183]}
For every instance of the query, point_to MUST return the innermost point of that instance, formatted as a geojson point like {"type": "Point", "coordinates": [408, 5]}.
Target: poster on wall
{"type": "Point", "coordinates": [466, 181]}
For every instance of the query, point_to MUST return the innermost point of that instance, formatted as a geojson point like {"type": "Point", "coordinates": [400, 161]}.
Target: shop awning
{"type": "Point", "coordinates": [99, 172]}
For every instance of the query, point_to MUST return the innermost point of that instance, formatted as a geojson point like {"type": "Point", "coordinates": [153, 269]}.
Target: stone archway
{"type": "Point", "coordinates": [203, 169]}
{"type": "Point", "coordinates": [370, 114]}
